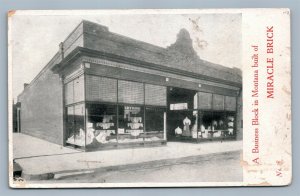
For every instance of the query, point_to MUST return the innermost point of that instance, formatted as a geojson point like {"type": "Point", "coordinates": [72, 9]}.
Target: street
{"type": "Point", "coordinates": [220, 167]}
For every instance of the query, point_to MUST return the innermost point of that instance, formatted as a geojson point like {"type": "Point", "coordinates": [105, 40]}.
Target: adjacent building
{"type": "Point", "coordinates": [103, 90]}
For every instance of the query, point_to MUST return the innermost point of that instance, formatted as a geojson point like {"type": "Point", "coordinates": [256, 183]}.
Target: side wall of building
{"type": "Point", "coordinates": [42, 108]}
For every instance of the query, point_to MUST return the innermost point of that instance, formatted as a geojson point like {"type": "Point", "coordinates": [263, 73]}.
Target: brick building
{"type": "Point", "coordinates": [103, 90]}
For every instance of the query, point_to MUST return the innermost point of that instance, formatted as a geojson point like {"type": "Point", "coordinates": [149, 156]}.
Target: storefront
{"type": "Point", "coordinates": [113, 101]}
{"type": "Point", "coordinates": [200, 116]}
{"type": "Point", "coordinates": [103, 90]}
{"type": "Point", "coordinates": [106, 113]}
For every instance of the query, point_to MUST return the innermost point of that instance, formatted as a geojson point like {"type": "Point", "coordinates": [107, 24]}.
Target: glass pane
{"type": "Point", "coordinates": [101, 124]}
{"type": "Point", "coordinates": [205, 100]}
{"type": "Point", "coordinates": [196, 101]}
{"type": "Point", "coordinates": [101, 89]}
{"type": "Point", "coordinates": [131, 124]}
{"type": "Point", "coordinates": [79, 89]}
{"type": "Point", "coordinates": [70, 139]}
{"type": "Point", "coordinates": [230, 125]}
{"type": "Point", "coordinates": [155, 95]}
{"type": "Point", "coordinates": [155, 123]}
{"type": "Point", "coordinates": [130, 92]}
{"type": "Point", "coordinates": [206, 125]}
{"type": "Point", "coordinates": [218, 102]}
{"type": "Point", "coordinates": [69, 93]}
{"type": "Point", "coordinates": [79, 129]}
{"type": "Point", "coordinates": [218, 125]}
{"type": "Point", "coordinates": [230, 103]}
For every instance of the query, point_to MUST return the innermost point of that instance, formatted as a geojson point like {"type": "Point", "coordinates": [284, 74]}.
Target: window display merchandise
{"type": "Point", "coordinates": [208, 116]}
{"type": "Point", "coordinates": [131, 124]}
{"type": "Point", "coordinates": [75, 125]}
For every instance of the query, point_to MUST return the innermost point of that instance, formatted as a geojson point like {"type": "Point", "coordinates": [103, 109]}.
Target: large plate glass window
{"type": "Point", "coordinates": [70, 139]}
{"type": "Point", "coordinates": [76, 125]}
{"type": "Point", "coordinates": [230, 124]}
{"type": "Point", "coordinates": [101, 124]}
{"type": "Point", "coordinates": [155, 123]}
{"type": "Point", "coordinates": [219, 127]}
{"type": "Point", "coordinates": [131, 124]}
{"type": "Point", "coordinates": [205, 119]}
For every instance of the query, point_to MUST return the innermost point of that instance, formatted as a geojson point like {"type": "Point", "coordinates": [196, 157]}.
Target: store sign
{"type": "Point", "coordinates": [178, 106]}
{"type": "Point", "coordinates": [132, 108]}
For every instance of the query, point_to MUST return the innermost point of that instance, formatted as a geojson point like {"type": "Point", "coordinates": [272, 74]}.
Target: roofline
{"type": "Point", "coordinates": [80, 51]}
{"type": "Point", "coordinates": [50, 64]}
{"type": "Point", "coordinates": [147, 46]}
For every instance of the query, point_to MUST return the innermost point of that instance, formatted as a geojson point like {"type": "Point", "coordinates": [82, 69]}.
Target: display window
{"type": "Point", "coordinates": [205, 124]}
{"type": "Point", "coordinates": [131, 124]}
{"type": "Point", "coordinates": [213, 125]}
{"type": "Point", "coordinates": [76, 125]}
{"type": "Point", "coordinates": [230, 124]}
{"type": "Point", "coordinates": [129, 112]}
{"type": "Point", "coordinates": [70, 125]}
{"type": "Point", "coordinates": [216, 125]}
{"type": "Point", "coordinates": [155, 123]}
{"type": "Point", "coordinates": [101, 124]}
{"type": "Point", "coordinates": [212, 116]}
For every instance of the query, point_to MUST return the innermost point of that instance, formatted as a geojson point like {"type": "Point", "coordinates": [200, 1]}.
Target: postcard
{"type": "Point", "coordinates": [149, 98]}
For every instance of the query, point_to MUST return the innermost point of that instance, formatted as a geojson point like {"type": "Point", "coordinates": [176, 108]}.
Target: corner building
{"type": "Point", "coordinates": [103, 90]}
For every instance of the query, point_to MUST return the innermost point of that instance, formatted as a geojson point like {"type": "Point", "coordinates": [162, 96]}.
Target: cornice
{"type": "Point", "coordinates": [80, 51]}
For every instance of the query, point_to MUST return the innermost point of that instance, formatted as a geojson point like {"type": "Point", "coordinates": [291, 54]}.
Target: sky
{"type": "Point", "coordinates": [35, 37]}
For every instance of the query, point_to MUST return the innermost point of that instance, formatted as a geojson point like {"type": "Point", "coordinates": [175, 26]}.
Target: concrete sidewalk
{"type": "Point", "coordinates": [60, 161]}
{"type": "Point", "coordinates": [28, 146]}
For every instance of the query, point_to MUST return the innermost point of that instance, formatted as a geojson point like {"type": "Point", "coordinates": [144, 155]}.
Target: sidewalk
{"type": "Point", "coordinates": [60, 161]}
{"type": "Point", "coordinates": [28, 146]}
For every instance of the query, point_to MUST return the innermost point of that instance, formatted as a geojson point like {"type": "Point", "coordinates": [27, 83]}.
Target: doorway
{"type": "Point", "coordinates": [182, 113]}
